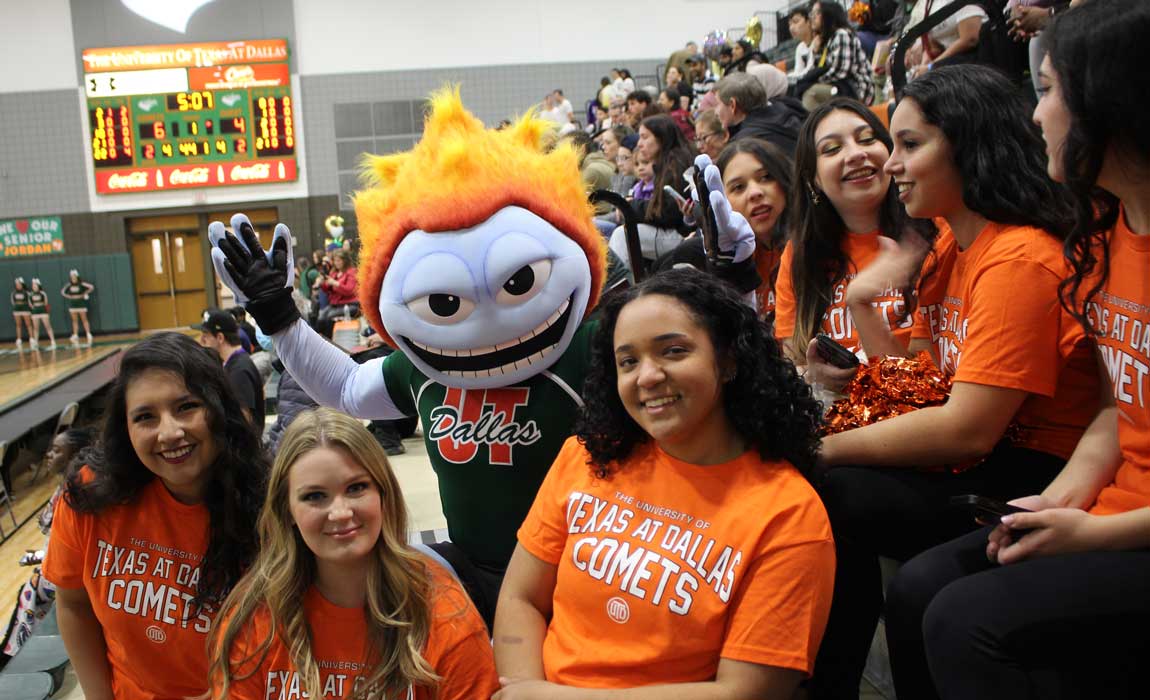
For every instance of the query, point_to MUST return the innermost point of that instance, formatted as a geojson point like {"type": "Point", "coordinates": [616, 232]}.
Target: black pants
{"type": "Point", "coordinates": [899, 513]}
{"type": "Point", "coordinates": [325, 322]}
{"type": "Point", "coordinates": [482, 582]}
{"type": "Point", "coordinates": [1066, 626]}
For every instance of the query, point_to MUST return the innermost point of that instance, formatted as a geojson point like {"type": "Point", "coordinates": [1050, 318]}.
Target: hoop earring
{"type": "Point", "coordinates": [815, 198]}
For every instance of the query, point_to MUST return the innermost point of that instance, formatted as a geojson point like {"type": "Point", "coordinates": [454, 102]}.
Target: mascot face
{"type": "Point", "coordinates": [486, 306]}
{"type": "Point", "coordinates": [479, 257]}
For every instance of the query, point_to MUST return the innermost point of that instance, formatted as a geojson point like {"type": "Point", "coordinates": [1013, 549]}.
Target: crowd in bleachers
{"type": "Point", "coordinates": [700, 534]}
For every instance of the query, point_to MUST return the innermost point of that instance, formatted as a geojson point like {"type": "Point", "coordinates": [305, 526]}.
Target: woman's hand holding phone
{"type": "Point", "coordinates": [823, 373]}
{"type": "Point", "coordinates": [1049, 530]}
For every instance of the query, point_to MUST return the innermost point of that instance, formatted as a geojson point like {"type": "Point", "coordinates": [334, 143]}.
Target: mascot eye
{"type": "Point", "coordinates": [525, 283]}
{"type": "Point", "coordinates": [441, 309]}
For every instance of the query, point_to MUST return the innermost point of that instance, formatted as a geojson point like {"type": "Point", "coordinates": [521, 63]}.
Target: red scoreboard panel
{"type": "Point", "coordinates": [190, 115]}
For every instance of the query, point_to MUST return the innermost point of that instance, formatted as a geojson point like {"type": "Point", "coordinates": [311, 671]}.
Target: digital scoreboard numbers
{"type": "Point", "coordinates": [190, 115]}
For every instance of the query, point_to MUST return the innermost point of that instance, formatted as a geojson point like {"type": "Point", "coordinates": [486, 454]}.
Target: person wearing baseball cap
{"type": "Point", "coordinates": [220, 333]}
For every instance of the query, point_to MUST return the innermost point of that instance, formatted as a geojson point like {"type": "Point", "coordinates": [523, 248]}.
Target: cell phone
{"type": "Point", "coordinates": [671, 191]}
{"type": "Point", "coordinates": [707, 222]}
{"type": "Point", "coordinates": [834, 354]}
{"type": "Point", "coordinates": [986, 510]}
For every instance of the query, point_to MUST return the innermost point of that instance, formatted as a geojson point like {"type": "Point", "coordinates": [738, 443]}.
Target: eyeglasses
{"type": "Point", "coordinates": [701, 139]}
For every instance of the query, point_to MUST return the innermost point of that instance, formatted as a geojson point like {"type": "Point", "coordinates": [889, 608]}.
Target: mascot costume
{"type": "Point", "coordinates": [479, 263]}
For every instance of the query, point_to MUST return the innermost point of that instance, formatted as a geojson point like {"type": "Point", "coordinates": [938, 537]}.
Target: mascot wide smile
{"type": "Point", "coordinates": [479, 263]}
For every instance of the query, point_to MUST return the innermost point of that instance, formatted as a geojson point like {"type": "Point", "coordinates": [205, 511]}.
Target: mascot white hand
{"type": "Point", "coordinates": [479, 262]}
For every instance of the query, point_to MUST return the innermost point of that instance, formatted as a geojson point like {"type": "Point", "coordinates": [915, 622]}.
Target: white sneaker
{"type": "Point", "coordinates": [88, 343]}
{"type": "Point", "coordinates": [74, 340]}
{"type": "Point", "coordinates": [33, 344]}
{"type": "Point", "coordinates": [52, 346]}
{"type": "Point", "coordinates": [19, 345]}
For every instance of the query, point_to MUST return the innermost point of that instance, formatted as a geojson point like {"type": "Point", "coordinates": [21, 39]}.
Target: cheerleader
{"type": "Point", "coordinates": [38, 305]}
{"type": "Point", "coordinates": [77, 292]}
{"type": "Point", "coordinates": [21, 312]}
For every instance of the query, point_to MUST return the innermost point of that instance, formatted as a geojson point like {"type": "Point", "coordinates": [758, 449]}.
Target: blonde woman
{"type": "Point", "coordinates": [337, 605]}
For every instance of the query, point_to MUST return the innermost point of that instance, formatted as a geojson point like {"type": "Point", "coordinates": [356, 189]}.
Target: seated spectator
{"type": "Point", "coordinates": [690, 413]}
{"type": "Point", "coordinates": [594, 167]}
{"type": "Point", "coordinates": [701, 82]}
{"type": "Point", "coordinates": [342, 288]}
{"type": "Point", "coordinates": [844, 210]}
{"type": "Point", "coordinates": [644, 188]}
{"type": "Point", "coordinates": [743, 56]}
{"type": "Point", "coordinates": [710, 135]}
{"type": "Point", "coordinates": [606, 93]}
{"type": "Point", "coordinates": [841, 67]}
{"type": "Point", "coordinates": [1054, 603]}
{"type": "Point", "coordinates": [175, 483]}
{"type": "Point", "coordinates": [622, 82]}
{"type": "Point", "coordinates": [799, 24]}
{"type": "Point", "coordinates": [37, 594]}
{"type": "Point", "coordinates": [726, 55]}
{"type": "Point", "coordinates": [954, 41]}
{"type": "Point", "coordinates": [756, 179]}
{"type": "Point", "coordinates": [219, 333]}
{"type": "Point", "coordinates": [675, 79]}
{"type": "Point", "coordinates": [745, 112]}
{"type": "Point", "coordinates": [611, 139]}
{"type": "Point", "coordinates": [640, 105]}
{"type": "Point", "coordinates": [669, 102]}
{"type": "Point", "coordinates": [625, 177]}
{"type": "Point", "coordinates": [774, 81]}
{"type": "Point", "coordinates": [260, 358]}
{"type": "Point", "coordinates": [336, 598]}
{"type": "Point", "coordinates": [662, 228]}
{"type": "Point", "coordinates": [964, 153]}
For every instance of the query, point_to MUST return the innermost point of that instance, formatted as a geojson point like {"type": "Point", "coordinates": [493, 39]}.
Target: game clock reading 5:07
{"type": "Point", "coordinates": [203, 126]}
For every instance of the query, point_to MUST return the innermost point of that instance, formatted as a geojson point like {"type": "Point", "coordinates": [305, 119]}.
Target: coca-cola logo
{"type": "Point", "coordinates": [135, 180]}
{"type": "Point", "coordinates": [256, 171]}
{"type": "Point", "coordinates": [239, 74]}
{"type": "Point", "coordinates": [195, 176]}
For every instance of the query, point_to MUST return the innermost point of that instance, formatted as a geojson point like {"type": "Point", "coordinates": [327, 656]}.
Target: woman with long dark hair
{"type": "Point", "coordinates": [638, 564]}
{"type": "Point", "coordinates": [842, 206]}
{"type": "Point", "coordinates": [662, 228]}
{"type": "Point", "coordinates": [964, 153]}
{"type": "Point", "coordinates": [756, 179]}
{"type": "Point", "coordinates": [1056, 602]}
{"type": "Point", "coordinates": [153, 532]}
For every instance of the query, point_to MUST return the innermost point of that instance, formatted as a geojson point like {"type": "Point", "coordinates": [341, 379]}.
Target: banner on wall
{"type": "Point", "coordinates": [41, 235]}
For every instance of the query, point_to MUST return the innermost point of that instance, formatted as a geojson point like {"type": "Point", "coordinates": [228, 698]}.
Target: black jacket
{"type": "Point", "coordinates": [778, 123]}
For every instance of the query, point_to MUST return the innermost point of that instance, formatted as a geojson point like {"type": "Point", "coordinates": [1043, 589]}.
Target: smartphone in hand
{"type": "Point", "coordinates": [672, 192]}
{"type": "Point", "coordinates": [834, 354]}
{"type": "Point", "coordinates": [987, 511]}
{"type": "Point", "coordinates": [707, 222]}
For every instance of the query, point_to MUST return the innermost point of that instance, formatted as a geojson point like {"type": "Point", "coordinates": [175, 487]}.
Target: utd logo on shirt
{"type": "Point", "coordinates": [471, 418]}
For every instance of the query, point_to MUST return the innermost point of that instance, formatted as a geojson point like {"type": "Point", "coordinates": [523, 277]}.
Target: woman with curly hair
{"type": "Point", "coordinates": [1056, 602]}
{"type": "Point", "coordinates": [675, 542]}
{"type": "Point", "coordinates": [153, 532]}
{"type": "Point", "coordinates": [965, 153]}
{"type": "Point", "coordinates": [337, 604]}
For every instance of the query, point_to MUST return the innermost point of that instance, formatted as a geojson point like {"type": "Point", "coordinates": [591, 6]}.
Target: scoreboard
{"type": "Point", "coordinates": [190, 115]}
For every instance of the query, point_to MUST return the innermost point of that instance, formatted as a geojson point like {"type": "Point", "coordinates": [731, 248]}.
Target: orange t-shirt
{"type": "Point", "coordinates": [860, 249]}
{"type": "Point", "coordinates": [1121, 313]}
{"type": "Point", "coordinates": [1000, 324]}
{"type": "Point", "coordinates": [667, 567]}
{"type": "Point", "coordinates": [457, 649]}
{"type": "Point", "coordinates": [139, 564]}
{"type": "Point", "coordinates": [767, 265]}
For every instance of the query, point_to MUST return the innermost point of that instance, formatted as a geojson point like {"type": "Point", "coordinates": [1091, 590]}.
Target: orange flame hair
{"type": "Point", "coordinates": [459, 175]}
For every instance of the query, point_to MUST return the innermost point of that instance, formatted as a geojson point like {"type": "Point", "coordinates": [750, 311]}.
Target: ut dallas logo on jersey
{"type": "Point", "coordinates": [472, 418]}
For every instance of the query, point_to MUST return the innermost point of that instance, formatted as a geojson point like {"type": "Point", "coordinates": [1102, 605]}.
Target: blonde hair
{"type": "Point", "coordinates": [398, 584]}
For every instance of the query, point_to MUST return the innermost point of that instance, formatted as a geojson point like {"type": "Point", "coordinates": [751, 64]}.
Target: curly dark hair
{"type": "Point", "coordinates": [997, 148]}
{"type": "Point", "coordinates": [766, 401]}
{"type": "Point", "coordinates": [1101, 103]}
{"type": "Point", "coordinates": [235, 489]}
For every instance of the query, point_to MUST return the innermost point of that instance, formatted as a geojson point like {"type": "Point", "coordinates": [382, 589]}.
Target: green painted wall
{"type": "Point", "coordinates": [113, 305]}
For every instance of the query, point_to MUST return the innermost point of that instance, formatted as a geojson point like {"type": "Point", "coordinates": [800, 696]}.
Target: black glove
{"type": "Point", "coordinates": [260, 281]}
